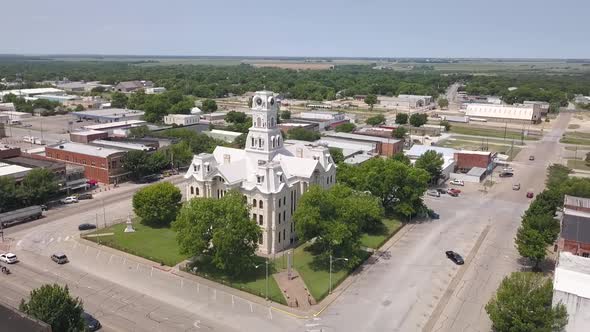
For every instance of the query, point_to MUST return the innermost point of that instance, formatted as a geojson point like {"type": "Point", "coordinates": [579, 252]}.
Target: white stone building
{"type": "Point", "coordinates": [181, 119]}
{"type": "Point", "coordinates": [271, 175]}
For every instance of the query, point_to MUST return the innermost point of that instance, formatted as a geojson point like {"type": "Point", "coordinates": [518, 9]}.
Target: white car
{"type": "Point", "coordinates": [70, 199]}
{"type": "Point", "coordinates": [8, 258]}
{"type": "Point", "coordinates": [457, 182]}
{"type": "Point", "coordinates": [433, 193]}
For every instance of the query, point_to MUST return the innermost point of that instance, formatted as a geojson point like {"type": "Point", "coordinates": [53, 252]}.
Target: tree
{"type": "Point", "coordinates": [285, 115]}
{"type": "Point", "coordinates": [236, 117]}
{"type": "Point", "coordinates": [219, 229]}
{"type": "Point", "coordinates": [431, 162]}
{"type": "Point", "coordinates": [139, 132]}
{"type": "Point", "coordinates": [37, 187]}
{"type": "Point", "coordinates": [98, 89]}
{"type": "Point", "coordinates": [209, 105]}
{"type": "Point", "coordinates": [523, 303]}
{"type": "Point", "coordinates": [303, 134]}
{"type": "Point", "coordinates": [337, 155]}
{"type": "Point", "coordinates": [335, 219]}
{"type": "Point", "coordinates": [240, 141]}
{"type": "Point", "coordinates": [345, 128]}
{"type": "Point", "coordinates": [157, 204]}
{"type": "Point", "coordinates": [79, 108]}
{"type": "Point", "coordinates": [371, 100]}
{"type": "Point", "coordinates": [376, 120]}
{"type": "Point", "coordinates": [443, 103]}
{"type": "Point", "coordinates": [418, 119]}
{"type": "Point", "coordinates": [401, 157]}
{"type": "Point", "coordinates": [53, 305]}
{"type": "Point", "coordinates": [400, 187]}
{"type": "Point", "coordinates": [8, 196]}
{"type": "Point", "coordinates": [180, 154]}
{"type": "Point", "coordinates": [401, 118]}
{"type": "Point", "coordinates": [399, 132]}
{"type": "Point", "coordinates": [531, 244]}
{"type": "Point", "coordinates": [545, 224]}
{"type": "Point", "coordinates": [140, 163]}
{"type": "Point", "coordinates": [445, 124]}
{"type": "Point", "coordinates": [118, 100]}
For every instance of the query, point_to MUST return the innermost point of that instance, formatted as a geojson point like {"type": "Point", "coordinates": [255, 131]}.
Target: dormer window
{"type": "Point", "coordinates": [259, 178]}
{"type": "Point", "coordinates": [195, 168]}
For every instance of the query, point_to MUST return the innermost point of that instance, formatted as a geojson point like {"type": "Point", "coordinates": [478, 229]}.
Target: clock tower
{"type": "Point", "coordinates": [264, 137]}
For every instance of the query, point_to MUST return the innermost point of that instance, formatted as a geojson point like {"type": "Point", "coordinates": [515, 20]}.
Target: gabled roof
{"type": "Point", "coordinates": [234, 171]}
{"type": "Point", "coordinates": [294, 166]}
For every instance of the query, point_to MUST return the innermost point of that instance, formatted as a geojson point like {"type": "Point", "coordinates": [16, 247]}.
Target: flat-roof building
{"type": "Point", "coordinates": [109, 115]}
{"type": "Point", "coordinates": [15, 171]}
{"type": "Point", "coordinates": [32, 92]}
{"type": "Point", "coordinates": [181, 119]}
{"type": "Point", "coordinates": [571, 287]}
{"type": "Point", "coordinates": [127, 146]}
{"type": "Point", "coordinates": [87, 136]}
{"type": "Point", "coordinates": [323, 118]}
{"type": "Point", "coordinates": [62, 99]}
{"type": "Point", "coordinates": [102, 164]}
{"type": "Point", "coordinates": [509, 113]}
{"type": "Point", "coordinates": [111, 126]}
{"type": "Point", "coordinates": [384, 146]}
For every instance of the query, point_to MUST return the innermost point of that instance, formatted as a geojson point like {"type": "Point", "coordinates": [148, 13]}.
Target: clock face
{"type": "Point", "coordinates": [258, 101]}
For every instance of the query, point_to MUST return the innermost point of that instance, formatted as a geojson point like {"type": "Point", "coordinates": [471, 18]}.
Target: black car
{"type": "Point", "coordinates": [455, 257]}
{"type": "Point", "coordinates": [92, 324]}
{"type": "Point", "coordinates": [433, 215]}
{"type": "Point", "coordinates": [85, 196]}
{"type": "Point", "coordinates": [86, 226]}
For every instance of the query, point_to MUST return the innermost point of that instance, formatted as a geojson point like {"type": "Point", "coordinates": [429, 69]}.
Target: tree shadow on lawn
{"type": "Point", "coordinates": [321, 259]}
{"type": "Point", "coordinates": [205, 267]}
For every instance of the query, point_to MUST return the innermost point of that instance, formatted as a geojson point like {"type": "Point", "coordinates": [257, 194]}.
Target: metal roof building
{"type": "Point", "coordinates": [109, 115]}
{"type": "Point", "coordinates": [525, 113]}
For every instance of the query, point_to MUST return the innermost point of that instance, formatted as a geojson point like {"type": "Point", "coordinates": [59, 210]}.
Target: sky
{"type": "Point", "coordinates": [319, 28]}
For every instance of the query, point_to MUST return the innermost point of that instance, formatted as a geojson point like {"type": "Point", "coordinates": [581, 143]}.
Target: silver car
{"type": "Point", "coordinates": [433, 193]}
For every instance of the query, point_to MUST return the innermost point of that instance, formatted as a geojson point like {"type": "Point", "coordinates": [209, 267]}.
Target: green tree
{"type": "Point", "coordinates": [399, 186]}
{"type": "Point", "coordinates": [38, 186]}
{"type": "Point", "coordinates": [209, 105]}
{"type": "Point", "coordinates": [418, 119]}
{"type": "Point", "coordinates": [140, 163]}
{"type": "Point", "coordinates": [55, 306]}
{"type": "Point", "coordinates": [157, 204]}
{"type": "Point", "coordinates": [240, 141]}
{"type": "Point", "coordinates": [531, 244]}
{"type": "Point", "coordinates": [219, 229]}
{"type": "Point", "coordinates": [401, 118]}
{"type": "Point", "coordinates": [285, 115]}
{"type": "Point", "coordinates": [236, 117]}
{"type": "Point", "coordinates": [303, 134]}
{"type": "Point", "coordinates": [443, 103]}
{"type": "Point", "coordinates": [401, 157]}
{"type": "Point", "coordinates": [118, 100]}
{"type": "Point", "coordinates": [180, 154]}
{"type": "Point", "coordinates": [79, 108]}
{"type": "Point", "coordinates": [371, 100]}
{"type": "Point", "coordinates": [445, 124]}
{"type": "Point", "coordinates": [8, 197]}
{"type": "Point", "coordinates": [376, 120]}
{"type": "Point", "coordinates": [399, 132]}
{"type": "Point", "coordinates": [98, 89]}
{"type": "Point", "coordinates": [431, 162]}
{"type": "Point", "coordinates": [345, 128]}
{"type": "Point", "coordinates": [337, 155]}
{"type": "Point", "coordinates": [335, 219]}
{"type": "Point", "coordinates": [523, 303]}
{"type": "Point", "coordinates": [139, 132]}
{"type": "Point", "coordinates": [545, 224]}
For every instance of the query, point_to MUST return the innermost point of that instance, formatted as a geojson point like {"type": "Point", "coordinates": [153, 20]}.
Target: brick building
{"type": "Point", "coordinates": [88, 136]}
{"type": "Point", "coordinates": [466, 160]}
{"type": "Point", "coordinates": [575, 226]}
{"type": "Point", "coordinates": [383, 146]}
{"type": "Point", "coordinates": [101, 164]}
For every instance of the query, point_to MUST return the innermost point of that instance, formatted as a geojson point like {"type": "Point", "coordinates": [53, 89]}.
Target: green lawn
{"type": "Point", "coordinates": [376, 240]}
{"type": "Point", "coordinates": [159, 245]}
{"type": "Point", "coordinates": [581, 149]}
{"type": "Point", "coordinates": [489, 132]}
{"type": "Point", "coordinates": [577, 134]}
{"type": "Point", "coordinates": [574, 140]}
{"type": "Point", "coordinates": [156, 244]}
{"type": "Point", "coordinates": [578, 164]}
{"type": "Point", "coordinates": [470, 145]}
{"type": "Point", "coordinates": [316, 276]}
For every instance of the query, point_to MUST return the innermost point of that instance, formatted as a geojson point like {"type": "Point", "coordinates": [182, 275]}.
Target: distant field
{"type": "Point", "coordinates": [489, 132]}
{"type": "Point", "coordinates": [490, 66]}
{"type": "Point", "coordinates": [296, 66]}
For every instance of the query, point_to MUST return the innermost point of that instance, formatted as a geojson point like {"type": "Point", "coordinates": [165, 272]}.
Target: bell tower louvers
{"type": "Point", "coordinates": [264, 137]}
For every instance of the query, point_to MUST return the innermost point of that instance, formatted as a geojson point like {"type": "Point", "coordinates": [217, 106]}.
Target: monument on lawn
{"type": "Point", "coordinates": [129, 228]}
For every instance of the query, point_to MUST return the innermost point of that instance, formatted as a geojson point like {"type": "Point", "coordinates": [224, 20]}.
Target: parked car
{"type": "Point", "coordinates": [8, 258]}
{"type": "Point", "coordinates": [508, 169]}
{"type": "Point", "coordinates": [59, 258]}
{"type": "Point", "coordinates": [530, 194]}
{"type": "Point", "coordinates": [452, 193]}
{"type": "Point", "coordinates": [84, 196]}
{"type": "Point", "coordinates": [456, 191]}
{"type": "Point", "coordinates": [455, 257]}
{"type": "Point", "coordinates": [433, 193]}
{"type": "Point", "coordinates": [69, 200]}
{"type": "Point", "coordinates": [92, 324]}
{"type": "Point", "coordinates": [432, 214]}
{"type": "Point", "coordinates": [86, 226]}
{"type": "Point", "coordinates": [506, 174]}
{"type": "Point", "coordinates": [516, 186]}
{"type": "Point", "coordinates": [441, 191]}
{"type": "Point", "coordinates": [531, 157]}
{"type": "Point", "coordinates": [457, 182]}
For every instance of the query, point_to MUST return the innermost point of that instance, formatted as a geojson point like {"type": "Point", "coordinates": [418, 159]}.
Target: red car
{"type": "Point", "coordinates": [529, 194]}
{"type": "Point", "coordinates": [454, 191]}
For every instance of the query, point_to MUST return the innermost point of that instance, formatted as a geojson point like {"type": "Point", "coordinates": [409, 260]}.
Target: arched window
{"type": "Point", "coordinates": [254, 202]}
{"type": "Point", "coordinates": [272, 121]}
{"type": "Point", "coordinates": [253, 141]}
{"type": "Point", "coordinates": [192, 190]}
{"type": "Point", "coordinates": [260, 204]}
{"type": "Point", "coordinates": [273, 142]}
{"type": "Point", "coordinates": [279, 141]}
{"type": "Point", "coordinates": [197, 191]}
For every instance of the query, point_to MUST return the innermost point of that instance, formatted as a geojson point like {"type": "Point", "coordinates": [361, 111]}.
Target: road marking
{"type": "Point", "coordinates": [312, 325]}
{"type": "Point", "coordinates": [181, 283]}
{"type": "Point", "coordinates": [67, 238]}
{"type": "Point", "coordinates": [97, 253]}
{"type": "Point", "coordinates": [251, 308]}
{"type": "Point", "coordinates": [110, 259]}
{"type": "Point", "coordinates": [214, 294]}
{"type": "Point", "coordinates": [232, 301]}
{"type": "Point", "coordinates": [198, 286]}
{"type": "Point", "coordinates": [85, 251]}
{"type": "Point", "coordinates": [196, 324]}
{"type": "Point", "coordinates": [270, 313]}
{"type": "Point", "coordinates": [152, 272]}
{"type": "Point", "coordinates": [18, 243]}
{"type": "Point", "coordinates": [137, 268]}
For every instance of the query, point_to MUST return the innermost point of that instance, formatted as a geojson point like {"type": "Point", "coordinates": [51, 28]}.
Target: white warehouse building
{"type": "Point", "coordinates": [510, 113]}
{"type": "Point", "coordinates": [181, 119]}
{"type": "Point", "coordinates": [270, 174]}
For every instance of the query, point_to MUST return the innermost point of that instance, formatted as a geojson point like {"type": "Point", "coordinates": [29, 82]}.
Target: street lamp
{"type": "Point", "coordinates": [331, 261]}
{"type": "Point", "coordinates": [259, 265]}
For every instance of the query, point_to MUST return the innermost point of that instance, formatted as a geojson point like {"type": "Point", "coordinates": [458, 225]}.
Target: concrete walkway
{"type": "Point", "coordinates": [294, 290]}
